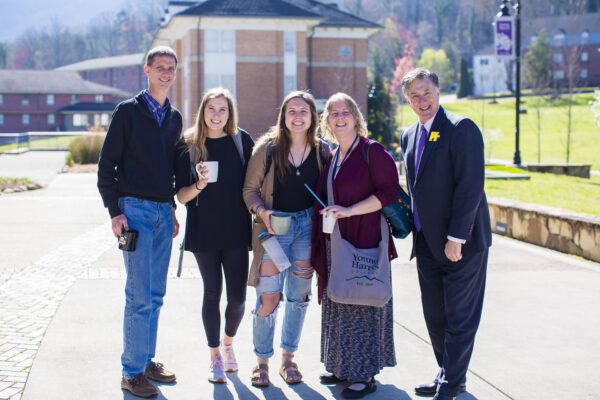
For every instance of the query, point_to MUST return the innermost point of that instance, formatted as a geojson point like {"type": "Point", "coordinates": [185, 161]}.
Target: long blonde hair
{"type": "Point", "coordinates": [360, 123]}
{"type": "Point", "coordinates": [280, 137]}
{"type": "Point", "coordinates": [195, 137]}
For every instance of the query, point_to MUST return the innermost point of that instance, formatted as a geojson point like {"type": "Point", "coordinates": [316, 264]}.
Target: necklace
{"type": "Point", "coordinates": [301, 159]}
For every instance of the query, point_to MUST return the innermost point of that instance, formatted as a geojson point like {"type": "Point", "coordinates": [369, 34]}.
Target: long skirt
{"type": "Point", "coordinates": [356, 341]}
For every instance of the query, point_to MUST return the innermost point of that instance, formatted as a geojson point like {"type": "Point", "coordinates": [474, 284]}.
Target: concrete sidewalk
{"type": "Point", "coordinates": [61, 304]}
{"type": "Point", "coordinates": [538, 337]}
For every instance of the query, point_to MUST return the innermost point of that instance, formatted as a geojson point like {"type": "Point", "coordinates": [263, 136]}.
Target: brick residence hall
{"type": "Point", "coordinates": [263, 49]}
{"type": "Point", "coordinates": [37, 100]}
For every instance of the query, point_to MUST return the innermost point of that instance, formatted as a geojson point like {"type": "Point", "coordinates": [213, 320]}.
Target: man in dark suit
{"type": "Point", "coordinates": [444, 160]}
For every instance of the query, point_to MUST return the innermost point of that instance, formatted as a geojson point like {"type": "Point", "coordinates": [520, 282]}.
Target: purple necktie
{"type": "Point", "coordinates": [420, 147]}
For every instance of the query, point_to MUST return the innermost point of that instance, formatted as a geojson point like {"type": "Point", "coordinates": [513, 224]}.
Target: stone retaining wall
{"type": "Point", "coordinates": [562, 230]}
{"type": "Point", "coordinates": [580, 170]}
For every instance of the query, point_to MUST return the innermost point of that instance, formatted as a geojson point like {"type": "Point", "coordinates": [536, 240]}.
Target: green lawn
{"type": "Point", "coordinates": [560, 191]}
{"type": "Point", "coordinates": [58, 142]}
{"type": "Point", "coordinates": [585, 136]}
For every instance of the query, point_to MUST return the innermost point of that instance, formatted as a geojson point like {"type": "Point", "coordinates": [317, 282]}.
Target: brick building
{"type": "Point", "coordinates": [263, 49]}
{"type": "Point", "coordinates": [575, 41]}
{"type": "Point", "coordinates": [120, 72]}
{"type": "Point", "coordinates": [53, 100]}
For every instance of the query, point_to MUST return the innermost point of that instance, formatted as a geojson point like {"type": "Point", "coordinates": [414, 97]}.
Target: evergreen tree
{"type": "Point", "coordinates": [3, 55]}
{"type": "Point", "coordinates": [465, 85]}
{"type": "Point", "coordinates": [537, 61]}
{"type": "Point", "coordinates": [380, 117]}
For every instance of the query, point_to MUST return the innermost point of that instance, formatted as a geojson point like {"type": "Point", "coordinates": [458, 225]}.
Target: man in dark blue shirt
{"type": "Point", "coordinates": [135, 180]}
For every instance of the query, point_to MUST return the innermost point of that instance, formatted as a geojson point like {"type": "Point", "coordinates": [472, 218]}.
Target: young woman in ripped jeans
{"type": "Point", "coordinates": [285, 159]}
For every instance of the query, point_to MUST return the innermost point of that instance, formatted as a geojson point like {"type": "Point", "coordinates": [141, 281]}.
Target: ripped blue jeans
{"type": "Point", "coordinates": [296, 289]}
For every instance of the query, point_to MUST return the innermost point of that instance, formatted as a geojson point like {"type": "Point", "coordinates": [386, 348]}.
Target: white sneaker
{"type": "Point", "coordinates": [229, 362]}
{"type": "Point", "coordinates": [216, 374]}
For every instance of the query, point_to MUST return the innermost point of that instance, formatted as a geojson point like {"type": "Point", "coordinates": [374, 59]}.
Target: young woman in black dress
{"type": "Point", "coordinates": [218, 223]}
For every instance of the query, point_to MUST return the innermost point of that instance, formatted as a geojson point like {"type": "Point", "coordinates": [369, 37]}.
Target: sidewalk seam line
{"type": "Point", "coordinates": [470, 370]}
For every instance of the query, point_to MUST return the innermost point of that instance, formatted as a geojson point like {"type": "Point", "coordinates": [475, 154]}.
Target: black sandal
{"type": "Point", "coordinates": [370, 387]}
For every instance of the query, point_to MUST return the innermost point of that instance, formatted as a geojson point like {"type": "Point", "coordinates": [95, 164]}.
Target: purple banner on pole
{"type": "Point", "coordinates": [504, 36]}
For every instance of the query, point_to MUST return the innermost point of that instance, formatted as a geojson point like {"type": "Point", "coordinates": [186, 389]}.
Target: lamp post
{"type": "Point", "coordinates": [515, 35]}
{"type": "Point", "coordinates": [517, 156]}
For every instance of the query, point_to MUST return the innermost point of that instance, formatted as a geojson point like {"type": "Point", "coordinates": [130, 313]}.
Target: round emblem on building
{"type": "Point", "coordinates": [345, 52]}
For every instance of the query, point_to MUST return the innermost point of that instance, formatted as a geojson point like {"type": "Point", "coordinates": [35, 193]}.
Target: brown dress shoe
{"type": "Point", "coordinates": [139, 386]}
{"type": "Point", "coordinates": [157, 372]}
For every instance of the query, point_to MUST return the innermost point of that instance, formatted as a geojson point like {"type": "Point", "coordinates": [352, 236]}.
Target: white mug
{"type": "Point", "coordinates": [212, 170]}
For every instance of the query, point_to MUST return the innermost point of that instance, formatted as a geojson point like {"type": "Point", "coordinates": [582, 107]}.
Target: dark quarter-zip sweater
{"type": "Point", "coordinates": [138, 155]}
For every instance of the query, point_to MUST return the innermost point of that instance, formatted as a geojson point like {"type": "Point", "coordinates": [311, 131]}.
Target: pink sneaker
{"type": "Point", "coordinates": [229, 362]}
{"type": "Point", "coordinates": [215, 372]}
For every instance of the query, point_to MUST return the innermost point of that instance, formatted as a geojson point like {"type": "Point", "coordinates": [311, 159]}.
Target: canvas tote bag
{"type": "Point", "coordinates": [358, 276]}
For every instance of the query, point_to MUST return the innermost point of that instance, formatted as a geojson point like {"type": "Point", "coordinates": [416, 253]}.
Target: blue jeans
{"type": "Point", "coordinates": [296, 245]}
{"type": "Point", "coordinates": [146, 284]}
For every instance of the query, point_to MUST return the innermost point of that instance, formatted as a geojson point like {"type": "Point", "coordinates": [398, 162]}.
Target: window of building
{"type": "Point", "coordinates": [211, 80]}
{"type": "Point", "coordinates": [219, 59]}
{"type": "Point", "coordinates": [24, 99]}
{"type": "Point", "coordinates": [345, 52]}
{"type": "Point", "coordinates": [133, 88]}
{"type": "Point", "coordinates": [50, 99]}
{"type": "Point", "coordinates": [122, 71]}
{"type": "Point", "coordinates": [51, 119]}
{"type": "Point", "coordinates": [25, 119]}
{"type": "Point", "coordinates": [289, 41]}
{"type": "Point", "coordinates": [95, 74]}
{"type": "Point", "coordinates": [484, 61]}
{"type": "Point", "coordinates": [105, 74]}
{"type": "Point", "coordinates": [290, 62]}
{"type": "Point", "coordinates": [74, 98]}
{"type": "Point", "coordinates": [87, 75]}
{"type": "Point", "coordinates": [1, 119]}
{"type": "Point", "coordinates": [289, 84]}
{"type": "Point", "coordinates": [585, 56]}
{"type": "Point", "coordinates": [79, 119]}
{"type": "Point", "coordinates": [1, 99]}
{"type": "Point", "coordinates": [557, 57]}
{"type": "Point", "coordinates": [133, 71]}
{"type": "Point", "coordinates": [99, 98]}
{"type": "Point", "coordinates": [219, 41]}
{"type": "Point", "coordinates": [104, 119]}
{"type": "Point", "coordinates": [558, 74]}
{"type": "Point", "coordinates": [115, 74]}
{"type": "Point", "coordinates": [559, 38]}
{"type": "Point", "coordinates": [585, 36]}
{"type": "Point", "coordinates": [584, 74]}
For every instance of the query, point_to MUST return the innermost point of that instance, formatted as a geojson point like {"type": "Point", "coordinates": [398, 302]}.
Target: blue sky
{"type": "Point", "coordinates": [20, 15]}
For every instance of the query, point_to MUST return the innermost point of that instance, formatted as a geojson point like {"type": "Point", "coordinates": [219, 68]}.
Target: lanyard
{"type": "Point", "coordinates": [335, 166]}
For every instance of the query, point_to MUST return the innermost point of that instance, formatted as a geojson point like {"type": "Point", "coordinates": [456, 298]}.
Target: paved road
{"type": "Point", "coordinates": [61, 297]}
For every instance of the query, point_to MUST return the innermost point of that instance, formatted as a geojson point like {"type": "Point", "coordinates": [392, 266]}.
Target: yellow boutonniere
{"type": "Point", "coordinates": [434, 136]}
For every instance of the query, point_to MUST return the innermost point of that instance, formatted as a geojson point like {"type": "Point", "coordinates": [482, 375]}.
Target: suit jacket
{"type": "Point", "coordinates": [448, 188]}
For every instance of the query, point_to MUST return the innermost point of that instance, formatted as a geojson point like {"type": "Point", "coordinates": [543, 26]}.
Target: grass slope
{"type": "Point", "coordinates": [585, 136]}
{"type": "Point", "coordinates": [560, 191]}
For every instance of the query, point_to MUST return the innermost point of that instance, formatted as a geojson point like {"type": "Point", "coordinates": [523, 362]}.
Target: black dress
{"type": "Point", "coordinates": [217, 218]}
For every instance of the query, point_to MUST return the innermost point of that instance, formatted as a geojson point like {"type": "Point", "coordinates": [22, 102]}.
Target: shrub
{"type": "Point", "coordinates": [86, 149]}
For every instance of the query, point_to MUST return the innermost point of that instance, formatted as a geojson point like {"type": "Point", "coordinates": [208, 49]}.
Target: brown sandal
{"type": "Point", "coordinates": [260, 375]}
{"type": "Point", "coordinates": [289, 372]}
